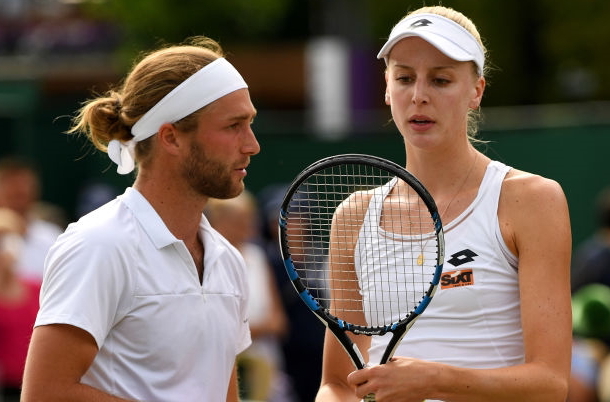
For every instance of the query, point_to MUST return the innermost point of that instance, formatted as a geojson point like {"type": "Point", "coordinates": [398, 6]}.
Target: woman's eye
{"type": "Point", "coordinates": [441, 81]}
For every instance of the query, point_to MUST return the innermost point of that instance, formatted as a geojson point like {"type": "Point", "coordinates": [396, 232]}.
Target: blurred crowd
{"type": "Point", "coordinates": [43, 28]}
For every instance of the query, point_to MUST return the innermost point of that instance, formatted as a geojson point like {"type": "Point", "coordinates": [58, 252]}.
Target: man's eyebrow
{"type": "Point", "coordinates": [244, 116]}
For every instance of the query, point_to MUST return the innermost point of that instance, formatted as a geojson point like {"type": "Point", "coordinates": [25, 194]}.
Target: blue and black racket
{"type": "Point", "coordinates": [362, 279]}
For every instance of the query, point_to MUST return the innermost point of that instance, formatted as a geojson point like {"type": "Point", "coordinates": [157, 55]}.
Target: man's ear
{"type": "Point", "coordinates": [167, 138]}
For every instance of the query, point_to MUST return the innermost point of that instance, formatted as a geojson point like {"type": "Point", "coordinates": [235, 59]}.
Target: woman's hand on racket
{"type": "Point", "coordinates": [402, 379]}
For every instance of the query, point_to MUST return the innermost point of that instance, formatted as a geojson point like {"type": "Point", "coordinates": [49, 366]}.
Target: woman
{"type": "Point", "coordinates": [505, 335]}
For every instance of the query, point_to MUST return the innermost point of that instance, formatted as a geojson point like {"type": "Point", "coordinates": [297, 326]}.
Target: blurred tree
{"type": "Point", "coordinates": [145, 23]}
{"type": "Point", "coordinates": [510, 34]}
{"type": "Point", "coordinates": [541, 51]}
{"type": "Point", "coordinates": [577, 40]}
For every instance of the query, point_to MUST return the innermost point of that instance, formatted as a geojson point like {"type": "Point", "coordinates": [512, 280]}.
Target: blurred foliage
{"type": "Point", "coordinates": [578, 41]}
{"type": "Point", "coordinates": [146, 23]}
{"type": "Point", "coordinates": [541, 51]}
{"type": "Point", "coordinates": [146, 20]}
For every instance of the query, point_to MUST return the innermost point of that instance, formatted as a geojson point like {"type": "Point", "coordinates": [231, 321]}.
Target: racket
{"type": "Point", "coordinates": [362, 242]}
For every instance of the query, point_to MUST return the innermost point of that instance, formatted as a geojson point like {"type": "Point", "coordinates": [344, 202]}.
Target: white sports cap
{"type": "Point", "coordinates": [446, 35]}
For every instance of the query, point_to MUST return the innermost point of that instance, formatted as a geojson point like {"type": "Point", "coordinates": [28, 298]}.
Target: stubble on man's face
{"type": "Point", "coordinates": [209, 176]}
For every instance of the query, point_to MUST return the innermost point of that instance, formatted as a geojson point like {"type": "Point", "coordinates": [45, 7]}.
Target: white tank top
{"type": "Point", "coordinates": [474, 318]}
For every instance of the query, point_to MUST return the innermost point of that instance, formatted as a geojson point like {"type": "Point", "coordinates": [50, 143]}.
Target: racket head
{"type": "Point", "coordinates": [321, 229]}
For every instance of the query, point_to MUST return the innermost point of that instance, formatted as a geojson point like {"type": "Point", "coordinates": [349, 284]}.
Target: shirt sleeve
{"type": "Point", "coordinates": [86, 282]}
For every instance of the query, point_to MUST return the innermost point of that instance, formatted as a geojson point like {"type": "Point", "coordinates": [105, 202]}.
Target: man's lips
{"type": "Point", "coordinates": [242, 170]}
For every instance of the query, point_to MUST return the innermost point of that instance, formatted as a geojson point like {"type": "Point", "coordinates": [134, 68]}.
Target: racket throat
{"type": "Point", "coordinates": [350, 347]}
{"type": "Point", "coordinates": [356, 357]}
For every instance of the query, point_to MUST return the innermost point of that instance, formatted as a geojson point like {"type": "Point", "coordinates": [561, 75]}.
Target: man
{"type": "Point", "coordinates": [20, 192]}
{"type": "Point", "coordinates": [142, 299]}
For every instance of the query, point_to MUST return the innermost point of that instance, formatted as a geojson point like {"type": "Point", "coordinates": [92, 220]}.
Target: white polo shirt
{"type": "Point", "coordinates": [119, 274]}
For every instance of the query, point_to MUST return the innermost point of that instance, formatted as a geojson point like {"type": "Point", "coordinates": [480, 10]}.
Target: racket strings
{"type": "Point", "coordinates": [375, 266]}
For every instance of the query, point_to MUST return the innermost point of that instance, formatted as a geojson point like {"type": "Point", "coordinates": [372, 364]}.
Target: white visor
{"type": "Point", "coordinates": [449, 37]}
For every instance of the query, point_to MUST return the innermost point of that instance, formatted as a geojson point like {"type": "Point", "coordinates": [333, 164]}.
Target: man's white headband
{"type": "Point", "coordinates": [446, 35]}
{"type": "Point", "coordinates": [212, 82]}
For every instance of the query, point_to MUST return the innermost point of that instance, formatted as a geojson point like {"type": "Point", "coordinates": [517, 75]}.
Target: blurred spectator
{"type": "Point", "coordinates": [304, 343]}
{"type": "Point", "coordinates": [262, 364]}
{"type": "Point", "coordinates": [61, 28]}
{"type": "Point", "coordinates": [93, 195]}
{"type": "Point", "coordinates": [20, 192]}
{"type": "Point", "coordinates": [51, 28]}
{"type": "Point", "coordinates": [12, 17]}
{"type": "Point", "coordinates": [591, 310]}
{"type": "Point", "coordinates": [51, 213]}
{"type": "Point", "coordinates": [591, 260]}
{"type": "Point", "coordinates": [18, 307]}
{"type": "Point", "coordinates": [584, 378]}
{"type": "Point", "coordinates": [591, 323]}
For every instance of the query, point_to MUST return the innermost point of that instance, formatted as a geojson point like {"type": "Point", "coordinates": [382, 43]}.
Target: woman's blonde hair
{"type": "Point", "coordinates": [111, 116]}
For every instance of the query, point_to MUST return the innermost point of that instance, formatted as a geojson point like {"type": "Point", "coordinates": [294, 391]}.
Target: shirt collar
{"type": "Point", "coordinates": [150, 220]}
{"type": "Point", "coordinates": [160, 235]}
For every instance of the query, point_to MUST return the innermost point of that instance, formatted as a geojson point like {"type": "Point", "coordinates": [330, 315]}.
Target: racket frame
{"type": "Point", "coordinates": [337, 326]}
